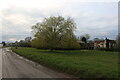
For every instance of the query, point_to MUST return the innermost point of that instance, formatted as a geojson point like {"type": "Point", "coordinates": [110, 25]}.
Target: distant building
{"type": "Point", "coordinates": [107, 43]}
{"type": "Point", "coordinates": [104, 44]}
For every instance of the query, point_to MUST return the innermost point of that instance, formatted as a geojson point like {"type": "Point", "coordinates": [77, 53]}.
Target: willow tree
{"type": "Point", "coordinates": [55, 31]}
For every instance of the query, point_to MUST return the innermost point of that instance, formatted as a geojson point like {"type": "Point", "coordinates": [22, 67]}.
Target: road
{"type": "Point", "coordinates": [15, 66]}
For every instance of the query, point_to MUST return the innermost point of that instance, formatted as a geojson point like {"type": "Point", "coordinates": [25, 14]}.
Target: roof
{"type": "Point", "coordinates": [79, 41]}
{"type": "Point", "coordinates": [111, 41]}
{"type": "Point", "coordinates": [99, 41]}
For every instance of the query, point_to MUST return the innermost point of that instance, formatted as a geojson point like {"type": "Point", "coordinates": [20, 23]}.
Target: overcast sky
{"type": "Point", "coordinates": [98, 19]}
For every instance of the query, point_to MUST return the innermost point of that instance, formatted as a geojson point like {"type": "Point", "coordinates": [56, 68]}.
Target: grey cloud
{"type": "Point", "coordinates": [88, 20]}
{"type": "Point", "coordinates": [13, 38]}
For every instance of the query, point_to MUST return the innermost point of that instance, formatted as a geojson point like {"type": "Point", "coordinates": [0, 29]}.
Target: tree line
{"type": "Point", "coordinates": [56, 33]}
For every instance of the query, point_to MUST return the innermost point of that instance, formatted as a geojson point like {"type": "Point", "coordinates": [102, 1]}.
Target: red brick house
{"type": "Point", "coordinates": [104, 44]}
{"type": "Point", "coordinates": [98, 44]}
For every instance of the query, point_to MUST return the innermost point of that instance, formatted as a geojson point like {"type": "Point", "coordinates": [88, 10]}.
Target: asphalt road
{"type": "Point", "coordinates": [15, 66]}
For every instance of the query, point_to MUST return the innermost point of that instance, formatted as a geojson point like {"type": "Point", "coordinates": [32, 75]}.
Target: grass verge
{"type": "Point", "coordinates": [83, 64]}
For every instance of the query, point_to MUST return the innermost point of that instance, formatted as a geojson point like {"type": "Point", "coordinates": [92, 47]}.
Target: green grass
{"type": "Point", "coordinates": [83, 64]}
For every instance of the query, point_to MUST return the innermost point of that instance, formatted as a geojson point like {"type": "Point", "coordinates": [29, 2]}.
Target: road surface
{"type": "Point", "coordinates": [15, 66]}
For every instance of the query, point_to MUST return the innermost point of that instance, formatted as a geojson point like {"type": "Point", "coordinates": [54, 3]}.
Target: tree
{"type": "Point", "coordinates": [3, 42]}
{"type": "Point", "coordinates": [85, 38]}
{"type": "Point", "coordinates": [96, 39]}
{"type": "Point", "coordinates": [38, 43]}
{"type": "Point", "coordinates": [16, 44]}
{"type": "Point", "coordinates": [21, 43]}
{"type": "Point", "coordinates": [54, 31]}
{"type": "Point", "coordinates": [27, 41]}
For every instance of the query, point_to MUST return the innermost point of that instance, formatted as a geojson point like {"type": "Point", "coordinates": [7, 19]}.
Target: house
{"type": "Point", "coordinates": [107, 43]}
{"type": "Point", "coordinates": [84, 45]}
{"type": "Point", "coordinates": [104, 44]}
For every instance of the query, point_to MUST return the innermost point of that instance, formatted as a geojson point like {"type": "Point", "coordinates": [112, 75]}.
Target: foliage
{"type": "Point", "coordinates": [83, 64]}
{"type": "Point", "coordinates": [96, 39]}
{"type": "Point", "coordinates": [39, 43]}
{"type": "Point", "coordinates": [22, 43]}
{"type": "Point", "coordinates": [3, 42]}
{"type": "Point", "coordinates": [55, 32]}
{"type": "Point", "coordinates": [25, 43]}
{"type": "Point", "coordinates": [85, 38]}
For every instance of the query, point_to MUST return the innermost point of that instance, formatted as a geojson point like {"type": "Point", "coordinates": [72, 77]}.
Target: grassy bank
{"type": "Point", "coordinates": [84, 64]}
